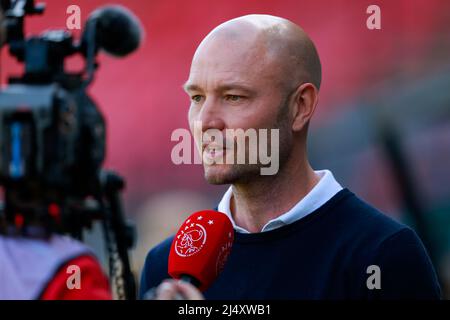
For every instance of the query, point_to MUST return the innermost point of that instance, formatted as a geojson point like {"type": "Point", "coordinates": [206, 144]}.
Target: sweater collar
{"type": "Point", "coordinates": [322, 192]}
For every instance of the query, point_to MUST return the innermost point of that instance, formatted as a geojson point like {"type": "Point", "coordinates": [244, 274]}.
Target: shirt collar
{"type": "Point", "coordinates": [323, 191]}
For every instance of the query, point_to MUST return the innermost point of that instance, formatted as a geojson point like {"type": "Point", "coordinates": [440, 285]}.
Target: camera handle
{"type": "Point", "coordinates": [122, 233]}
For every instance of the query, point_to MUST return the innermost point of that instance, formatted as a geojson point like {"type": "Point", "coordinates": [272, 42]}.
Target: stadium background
{"type": "Point", "coordinates": [382, 124]}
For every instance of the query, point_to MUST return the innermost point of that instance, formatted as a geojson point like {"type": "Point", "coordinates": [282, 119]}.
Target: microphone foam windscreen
{"type": "Point", "coordinates": [119, 31]}
{"type": "Point", "coordinates": [201, 247]}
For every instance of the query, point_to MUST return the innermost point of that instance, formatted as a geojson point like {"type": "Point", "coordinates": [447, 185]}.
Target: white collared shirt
{"type": "Point", "coordinates": [323, 191]}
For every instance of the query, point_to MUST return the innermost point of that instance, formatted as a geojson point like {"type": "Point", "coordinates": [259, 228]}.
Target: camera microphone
{"type": "Point", "coordinates": [117, 30]}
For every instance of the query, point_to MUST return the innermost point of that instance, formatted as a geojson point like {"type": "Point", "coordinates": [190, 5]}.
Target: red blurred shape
{"type": "Point", "coordinates": [201, 247]}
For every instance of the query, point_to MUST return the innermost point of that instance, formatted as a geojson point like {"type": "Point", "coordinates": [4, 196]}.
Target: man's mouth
{"type": "Point", "coordinates": [214, 151]}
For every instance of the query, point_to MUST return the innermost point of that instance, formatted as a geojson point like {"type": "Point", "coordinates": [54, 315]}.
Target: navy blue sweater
{"type": "Point", "coordinates": [324, 255]}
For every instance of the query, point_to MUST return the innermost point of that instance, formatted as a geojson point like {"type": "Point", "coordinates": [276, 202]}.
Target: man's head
{"type": "Point", "coordinates": [255, 71]}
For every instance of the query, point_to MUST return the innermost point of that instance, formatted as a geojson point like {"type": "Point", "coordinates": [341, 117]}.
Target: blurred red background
{"type": "Point", "coordinates": [398, 75]}
{"type": "Point", "coordinates": [141, 95]}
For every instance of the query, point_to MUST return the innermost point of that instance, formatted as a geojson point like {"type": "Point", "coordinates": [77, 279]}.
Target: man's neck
{"type": "Point", "coordinates": [256, 203]}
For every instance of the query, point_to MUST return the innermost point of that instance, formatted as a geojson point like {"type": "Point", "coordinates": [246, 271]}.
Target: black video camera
{"type": "Point", "coordinates": [52, 135]}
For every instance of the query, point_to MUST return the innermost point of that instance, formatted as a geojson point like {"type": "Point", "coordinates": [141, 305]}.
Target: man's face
{"type": "Point", "coordinates": [233, 85]}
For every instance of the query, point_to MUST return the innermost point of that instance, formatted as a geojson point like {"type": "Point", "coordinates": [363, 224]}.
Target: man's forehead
{"type": "Point", "coordinates": [228, 56]}
{"type": "Point", "coordinates": [234, 69]}
{"type": "Point", "coordinates": [236, 79]}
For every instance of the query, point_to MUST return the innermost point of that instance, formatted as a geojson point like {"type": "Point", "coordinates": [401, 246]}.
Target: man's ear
{"type": "Point", "coordinates": [305, 100]}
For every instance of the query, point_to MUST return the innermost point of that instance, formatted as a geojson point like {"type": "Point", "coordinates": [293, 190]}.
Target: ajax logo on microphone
{"type": "Point", "coordinates": [191, 238]}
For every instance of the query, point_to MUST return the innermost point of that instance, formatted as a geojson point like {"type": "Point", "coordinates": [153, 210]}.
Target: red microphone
{"type": "Point", "coordinates": [201, 247]}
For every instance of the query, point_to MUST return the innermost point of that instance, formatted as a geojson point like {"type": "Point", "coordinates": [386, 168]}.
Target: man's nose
{"type": "Point", "coordinates": [211, 116]}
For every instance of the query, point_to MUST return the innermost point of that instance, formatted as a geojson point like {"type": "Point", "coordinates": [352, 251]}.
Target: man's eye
{"type": "Point", "coordinates": [197, 98]}
{"type": "Point", "coordinates": [233, 97]}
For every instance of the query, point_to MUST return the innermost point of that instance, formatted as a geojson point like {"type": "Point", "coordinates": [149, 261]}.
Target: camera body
{"type": "Point", "coordinates": [52, 146]}
{"type": "Point", "coordinates": [53, 134]}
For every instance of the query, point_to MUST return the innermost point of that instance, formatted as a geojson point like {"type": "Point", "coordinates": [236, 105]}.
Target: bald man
{"type": "Point", "coordinates": [298, 233]}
